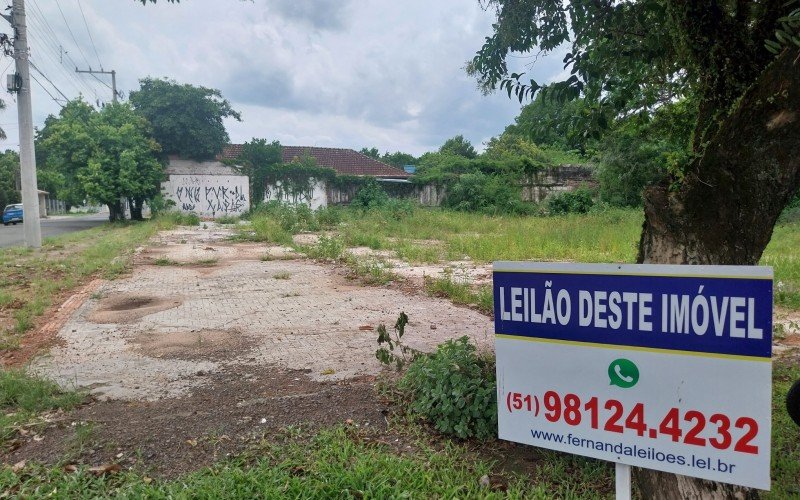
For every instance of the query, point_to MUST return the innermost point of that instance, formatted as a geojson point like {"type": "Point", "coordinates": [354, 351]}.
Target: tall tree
{"type": "Point", "coordinates": [187, 120]}
{"type": "Point", "coordinates": [9, 172]}
{"type": "Point", "coordinates": [721, 205]}
{"type": "Point", "coordinates": [106, 155]}
{"type": "Point", "coordinates": [459, 146]}
{"type": "Point", "coordinates": [371, 152]}
{"type": "Point", "coordinates": [63, 147]}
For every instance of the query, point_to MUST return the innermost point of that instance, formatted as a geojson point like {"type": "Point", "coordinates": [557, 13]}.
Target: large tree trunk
{"type": "Point", "coordinates": [136, 208]}
{"type": "Point", "coordinates": [725, 210]}
{"type": "Point", "coordinates": [115, 211]}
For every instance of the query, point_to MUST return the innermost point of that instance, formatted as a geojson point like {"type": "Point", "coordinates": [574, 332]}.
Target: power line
{"type": "Point", "coordinates": [57, 53]}
{"type": "Point", "coordinates": [72, 34]}
{"type": "Point", "coordinates": [48, 92]}
{"type": "Point", "coordinates": [90, 34]}
{"type": "Point", "coordinates": [49, 81]}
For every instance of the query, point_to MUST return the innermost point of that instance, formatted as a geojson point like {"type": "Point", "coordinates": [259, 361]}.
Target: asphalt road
{"type": "Point", "coordinates": [11, 236]}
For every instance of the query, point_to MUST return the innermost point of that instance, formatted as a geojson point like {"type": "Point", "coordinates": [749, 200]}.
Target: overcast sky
{"type": "Point", "coordinates": [337, 73]}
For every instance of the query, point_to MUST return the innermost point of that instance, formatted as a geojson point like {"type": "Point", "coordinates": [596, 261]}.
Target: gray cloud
{"type": "Point", "coordinates": [319, 14]}
{"type": "Point", "coordinates": [386, 74]}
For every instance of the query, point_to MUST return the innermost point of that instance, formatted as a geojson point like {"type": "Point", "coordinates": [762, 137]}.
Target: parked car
{"type": "Point", "coordinates": [12, 214]}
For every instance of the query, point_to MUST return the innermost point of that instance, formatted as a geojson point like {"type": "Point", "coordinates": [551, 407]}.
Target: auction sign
{"type": "Point", "coordinates": [656, 366]}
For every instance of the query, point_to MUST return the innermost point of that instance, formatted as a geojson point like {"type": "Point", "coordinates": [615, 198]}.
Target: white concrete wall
{"type": "Point", "coordinates": [208, 195]}
{"type": "Point", "coordinates": [315, 197]}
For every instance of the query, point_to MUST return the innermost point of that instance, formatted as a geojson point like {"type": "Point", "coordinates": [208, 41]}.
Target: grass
{"type": "Point", "coordinates": [345, 462]}
{"type": "Point", "coordinates": [327, 248]}
{"type": "Point", "coordinates": [283, 275]}
{"type": "Point", "coordinates": [427, 235]}
{"type": "Point", "coordinates": [23, 397]}
{"type": "Point", "coordinates": [460, 291]}
{"type": "Point", "coordinates": [30, 280]}
{"type": "Point", "coordinates": [336, 463]}
{"type": "Point", "coordinates": [783, 254]}
{"type": "Point", "coordinates": [369, 270]}
{"type": "Point", "coordinates": [165, 261]}
{"type": "Point", "coordinates": [785, 434]}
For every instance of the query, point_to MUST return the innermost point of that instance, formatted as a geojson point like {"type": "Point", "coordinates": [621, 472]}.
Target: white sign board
{"type": "Point", "coordinates": [661, 367]}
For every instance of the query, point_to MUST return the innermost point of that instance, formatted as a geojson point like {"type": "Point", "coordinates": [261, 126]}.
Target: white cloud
{"type": "Point", "coordinates": [322, 72]}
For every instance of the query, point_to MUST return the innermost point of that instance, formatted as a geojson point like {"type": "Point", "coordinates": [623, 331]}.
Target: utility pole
{"type": "Point", "coordinates": [113, 74]}
{"type": "Point", "coordinates": [27, 154]}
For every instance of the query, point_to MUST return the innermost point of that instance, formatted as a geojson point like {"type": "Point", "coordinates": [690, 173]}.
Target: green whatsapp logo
{"type": "Point", "coordinates": [623, 373]}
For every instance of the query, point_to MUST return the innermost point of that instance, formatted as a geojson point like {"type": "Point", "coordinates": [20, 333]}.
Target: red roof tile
{"type": "Point", "coordinates": [344, 161]}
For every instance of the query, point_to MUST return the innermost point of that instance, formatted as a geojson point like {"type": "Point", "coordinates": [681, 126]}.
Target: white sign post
{"type": "Point", "coordinates": [661, 367]}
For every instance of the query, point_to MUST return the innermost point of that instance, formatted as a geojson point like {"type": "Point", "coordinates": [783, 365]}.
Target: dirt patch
{"type": "Point", "coordinates": [204, 344]}
{"type": "Point", "coordinates": [127, 308]}
{"type": "Point", "coordinates": [173, 436]}
{"type": "Point", "coordinates": [45, 336]}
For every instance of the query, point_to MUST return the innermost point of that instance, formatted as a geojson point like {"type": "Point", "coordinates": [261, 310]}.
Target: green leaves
{"type": "Point", "coordinates": [455, 389]}
{"type": "Point", "coordinates": [788, 32]}
{"type": "Point", "coordinates": [386, 351]}
{"type": "Point", "coordinates": [101, 155]}
{"type": "Point", "coordinates": [186, 119]}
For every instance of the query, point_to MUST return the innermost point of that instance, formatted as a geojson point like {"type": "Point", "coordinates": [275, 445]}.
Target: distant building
{"type": "Point", "coordinates": [343, 161]}
{"type": "Point", "coordinates": [207, 188]}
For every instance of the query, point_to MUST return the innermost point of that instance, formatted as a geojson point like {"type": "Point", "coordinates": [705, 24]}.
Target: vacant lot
{"type": "Point", "coordinates": [250, 348]}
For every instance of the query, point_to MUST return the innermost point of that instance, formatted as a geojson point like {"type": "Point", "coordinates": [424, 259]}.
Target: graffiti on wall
{"type": "Point", "coordinates": [222, 200]}
{"type": "Point", "coordinates": [188, 198]}
{"type": "Point", "coordinates": [209, 195]}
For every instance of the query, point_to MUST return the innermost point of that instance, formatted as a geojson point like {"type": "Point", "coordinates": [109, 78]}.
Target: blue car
{"type": "Point", "coordinates": [12, 214]}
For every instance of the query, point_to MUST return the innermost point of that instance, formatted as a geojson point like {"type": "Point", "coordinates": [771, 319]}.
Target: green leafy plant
{"type": "Point", "coordinates": [370, 195]}
{"type": "Point", "coordinates": [455, 389]}
{"type": "Point", "coordinates": [579, 201]}
{"type": "Point", "coordinates": [327, 248]}
{"type": "Point", "coordinates": [392, 351]}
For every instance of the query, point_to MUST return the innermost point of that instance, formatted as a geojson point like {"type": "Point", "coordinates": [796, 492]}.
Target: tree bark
{"type": "Point", "coordinates": [136, 208]}
{"type": "Point", "coordinates": [115, 211]}
{"type": "Point", "coordinates": [725, 210]}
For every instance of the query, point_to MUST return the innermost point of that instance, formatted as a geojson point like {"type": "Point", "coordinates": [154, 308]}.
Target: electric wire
{"type": "Point", "coordinates": [48, 80]}
{"type": "Point", "coordinates": [56, 53]}
{"type": "Point", "coordinates": [94, 47]}
{"type": "Point", "coordinates": [47, 91]}
{"type": "Point", "coordinates": [50, 41]}
{"type": "Point", "coordinates": [72, 34]}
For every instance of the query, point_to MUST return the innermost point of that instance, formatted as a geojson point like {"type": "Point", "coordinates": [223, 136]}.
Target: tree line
{"type": "Point", "coordinates": [117, 153]}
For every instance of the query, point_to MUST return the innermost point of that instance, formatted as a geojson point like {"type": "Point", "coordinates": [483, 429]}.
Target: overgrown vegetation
{"type": "Point", "coordinates": [424, 235]}
{"type": "Point", "coordinates": [579, 201]}
{"type": "Point", "coordinates": [455, 390]}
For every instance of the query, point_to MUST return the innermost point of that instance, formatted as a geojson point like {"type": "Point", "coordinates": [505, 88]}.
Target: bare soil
{"type": "Point", "coordinates": [172, 436]}
{"type": "Point", "coordinates": [129, 308]}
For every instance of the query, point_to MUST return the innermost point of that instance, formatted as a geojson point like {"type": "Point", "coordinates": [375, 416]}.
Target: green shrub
{"type": "Point", "coordinates": [579, 201]}
{"type": "Point", "coordinates": [265, 228]}
{"type": "Point", "coordinates": [399, 209]}
{"type": "Point", "coordinates": [492, 194]}
{"type": "Point", "coordinates": [329, 216]}
{"type": "Point", "coordinates": [329, 248]}
{"type": "Point", "coordinates": [370, 195]}
{"type": "Point", "coordinates": [227, 219]}
{"type": "Point", "coordinates": [180, 218]}
{"type": "Point", "coordinates": [455, 389]}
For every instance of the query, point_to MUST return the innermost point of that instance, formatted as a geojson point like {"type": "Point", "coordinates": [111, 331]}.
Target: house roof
{"type": "Point", "coordinates": [344, 161]}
